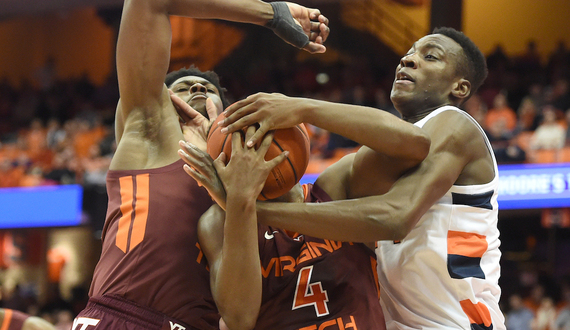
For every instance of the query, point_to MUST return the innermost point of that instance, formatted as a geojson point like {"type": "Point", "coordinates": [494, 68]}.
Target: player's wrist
{"type": "Point", "coordinates": [283, 25]}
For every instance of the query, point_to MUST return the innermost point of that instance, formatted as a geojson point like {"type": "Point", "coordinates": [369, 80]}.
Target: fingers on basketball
{"type": "Point", "coordinates": [288, 172]}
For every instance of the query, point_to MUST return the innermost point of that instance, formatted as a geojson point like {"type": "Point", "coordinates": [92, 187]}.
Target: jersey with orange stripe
{"type": "Point", "coordinates": [13, 319]}
{"type": "Point", "coordinates": [310, 283]}
{"type": "Point", "coordinates": [150, 254]}
{"type": "Point", "coordinates": [444, 274]}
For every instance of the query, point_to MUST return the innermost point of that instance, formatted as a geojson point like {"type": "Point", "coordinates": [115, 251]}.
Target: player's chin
{"type": "Point", "coordinates": [200, 107]}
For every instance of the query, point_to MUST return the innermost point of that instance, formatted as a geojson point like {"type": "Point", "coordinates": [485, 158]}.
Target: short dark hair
{"type": "Point", "coordinates": [475, 66]}
{"type": "Point", "coordinates": [210, 76]}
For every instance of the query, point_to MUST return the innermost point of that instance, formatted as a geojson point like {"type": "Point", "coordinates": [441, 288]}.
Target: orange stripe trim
{"type": "Point", "coordinates": [305, 191]}
{"type": "Point", "coordinates": [126, 190]}
{"type": "Point", "coordinates": [477, 313]}
{"type": "Point", "coordinates": [7, 319]}
{"type": "Point", "coordinates": [141, 210]}
{"type": "Point", "coordinates": [375, 272]}
{"type": "Point", "coordinates": [466, 244]}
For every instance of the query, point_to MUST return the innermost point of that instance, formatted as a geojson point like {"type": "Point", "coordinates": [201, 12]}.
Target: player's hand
{"type": "Point", "coordinates": [200, 166]}
{"type": "Point", "coordinates": [301, 27]}
{"type": "Point", "coordinates": [270, 111]}
{"type": "Point", "coordinates": [247, 170]}
{"type": "Point", "coordinates": [193, 124]}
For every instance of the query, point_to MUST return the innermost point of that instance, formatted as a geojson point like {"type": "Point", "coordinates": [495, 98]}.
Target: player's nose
{"type": "Point", "coordinates": [198, 88]}
{"type": "Point", "coordinates": [408, 61]}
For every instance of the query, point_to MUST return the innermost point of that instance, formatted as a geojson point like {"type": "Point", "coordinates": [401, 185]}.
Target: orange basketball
{"type": "Point", "coordinates": [285, 175]}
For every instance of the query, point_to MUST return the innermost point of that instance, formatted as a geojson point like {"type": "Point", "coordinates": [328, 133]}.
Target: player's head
{"type": "Point", "coordinates": [444, 67]}
{"type": "Point", "coordinates": [194, 86]}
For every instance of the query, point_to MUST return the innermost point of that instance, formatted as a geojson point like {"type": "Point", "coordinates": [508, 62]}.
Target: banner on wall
{"type": "Point", "coordinates": [525, 186]}
{"type": "Point", "coordinates": [46, 206]}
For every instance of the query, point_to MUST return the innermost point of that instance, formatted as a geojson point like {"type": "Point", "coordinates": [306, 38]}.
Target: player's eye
{"type": "Point", "coordinates": [430, 57]}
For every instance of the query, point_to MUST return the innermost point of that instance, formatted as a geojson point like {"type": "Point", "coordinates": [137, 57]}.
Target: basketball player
{"type": "Point", "coordinates": [438, 255]}
{"type": "Point", "coordinates": [303, 282]}
{"type": "Point", "coordinates": [16, 320]}
{"type": "Point", "coordinates": [151, 274]}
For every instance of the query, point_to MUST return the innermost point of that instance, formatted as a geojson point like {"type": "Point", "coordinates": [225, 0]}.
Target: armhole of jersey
{"type": "Point", "coordinates": [436, 112]}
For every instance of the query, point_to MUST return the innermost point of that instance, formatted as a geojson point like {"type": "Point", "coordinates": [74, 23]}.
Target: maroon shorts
{"type": "Point", "coordinates": [114, 312]}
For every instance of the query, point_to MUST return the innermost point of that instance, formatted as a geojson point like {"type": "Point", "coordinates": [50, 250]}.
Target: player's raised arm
{"type": "Point", "coordinates": [143, 48]}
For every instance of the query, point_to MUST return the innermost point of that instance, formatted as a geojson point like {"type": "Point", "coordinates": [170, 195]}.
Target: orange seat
{"type": "Point", "coordinates": [523, 140]}
{"type": "Point", "coordinates": [545, 156]}
{"type": "Point", "coordinates": [565, 155]}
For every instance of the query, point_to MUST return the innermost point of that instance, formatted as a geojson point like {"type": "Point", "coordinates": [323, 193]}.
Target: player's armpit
{"type": "Point", "coordinates": [334, 179]}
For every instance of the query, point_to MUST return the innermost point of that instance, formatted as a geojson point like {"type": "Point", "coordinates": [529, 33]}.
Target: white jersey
{"type": "Point", "coordinates": [445, 273]}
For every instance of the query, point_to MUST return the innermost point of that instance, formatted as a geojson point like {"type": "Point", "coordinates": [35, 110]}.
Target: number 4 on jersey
{"type": "Point", "coordinates": [310, 294]}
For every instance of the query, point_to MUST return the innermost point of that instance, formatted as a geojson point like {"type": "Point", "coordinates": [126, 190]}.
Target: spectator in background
{"type": "Point", "coordinates": [519, 316]}
{"type": "Point", "coordinates": [501, 111]}
{"type": "Point", "coordinates": [528, 118]}
{"type": "Point", "coordinates": [504, 143]}
{"type": "Point", "coordinates": [561, 94]}
{"type": "Point", "coordinates": [563, 314]}
{"type": "Point", "coordinates": [545, 315]}
{"type": "Point", "coordinates": [534, 300]}
{"type": "Point", "coordinates": [549, 134]}
{"type": "Point", "coordinates": [477, 109]}
{"type": "Point", "coordinates": [567, 136]}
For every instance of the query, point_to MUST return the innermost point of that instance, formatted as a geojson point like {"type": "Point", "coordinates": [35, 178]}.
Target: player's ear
{"type": "Point", "coordinates": [461, 88]}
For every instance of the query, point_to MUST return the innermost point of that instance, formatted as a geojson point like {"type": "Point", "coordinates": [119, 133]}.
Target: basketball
{"type": "Point", "coordinates": [283, 176]}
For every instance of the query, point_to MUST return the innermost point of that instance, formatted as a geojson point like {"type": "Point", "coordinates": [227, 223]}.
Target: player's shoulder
{"type": "Point", "coordinates": [453, 125]}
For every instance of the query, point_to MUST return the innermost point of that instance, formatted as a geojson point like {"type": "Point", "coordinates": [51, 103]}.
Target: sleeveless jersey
{"type": "Point", "coordinates": [150, 253]}
{"type": "Point", "coordinates": [444, 274]}
{"type": "Point", "coordinates": [13, 320]}
{"type": "Point", "coordinates": [311, 283]}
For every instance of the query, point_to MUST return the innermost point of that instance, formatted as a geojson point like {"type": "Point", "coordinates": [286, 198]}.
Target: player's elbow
{"type": "Point", "coordinates": [402, 221]}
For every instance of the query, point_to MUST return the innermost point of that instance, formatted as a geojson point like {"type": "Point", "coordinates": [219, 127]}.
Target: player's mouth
{"type": "Point", "coordinates": [198, 96]}
{"type": "Point", "coordinates": [403, 78]}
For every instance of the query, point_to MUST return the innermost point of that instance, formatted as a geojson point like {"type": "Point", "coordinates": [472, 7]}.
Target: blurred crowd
{"type": "Point", "coordinates": [60, 132]}
{"type": "Point", "coordinates": [56, 132]}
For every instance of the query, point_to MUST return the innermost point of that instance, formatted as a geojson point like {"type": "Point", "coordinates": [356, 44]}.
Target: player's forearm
{"type": "Point", "coordinates": [379, 130]}
{"type": "Point", "coordinates": [356, 220]}
{"type": "Point", "coordinates": [245, 11]}
{"type": "Point", "coordinates": [238, 283]}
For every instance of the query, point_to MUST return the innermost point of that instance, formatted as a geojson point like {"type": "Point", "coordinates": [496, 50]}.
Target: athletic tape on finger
{"type": "Point", "coordinates": [285, 26]}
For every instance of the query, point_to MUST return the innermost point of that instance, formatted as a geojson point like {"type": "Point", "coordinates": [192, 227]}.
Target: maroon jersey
{"type": "Point", "coordinates": [311, 283]}
{"type": "Point", "coordinates": [13, 320]}
{"type": "Point", "coordinates": [150, 252]}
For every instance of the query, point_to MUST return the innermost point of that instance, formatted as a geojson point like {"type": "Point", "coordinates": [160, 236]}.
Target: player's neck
{"type": "Point", "coordinates": [419, 115]}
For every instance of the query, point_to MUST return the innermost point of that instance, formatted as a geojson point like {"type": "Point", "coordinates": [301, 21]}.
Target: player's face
{"type": "Point", "coordinates": [426, 75]}
{"type": "Point", "coordinates": [195, 90]}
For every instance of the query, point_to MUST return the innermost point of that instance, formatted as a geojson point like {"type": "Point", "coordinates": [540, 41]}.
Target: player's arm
{"type": "Point", "coordinates": [231, 246]}
{"type": "Point", "coordinates": [379, 130]}
{"type": "Point", "coordinates": [143, 53]}
{"type": "Point", "coordinates": [455, 143]}
{"type": "Point", "coordinates": [143, 48]}
{"type": "Point", "coordinates": [235, 274]}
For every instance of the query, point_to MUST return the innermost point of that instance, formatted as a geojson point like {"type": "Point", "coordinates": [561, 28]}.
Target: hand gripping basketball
{"type": "Point", "coordinates": [285, 26]}
{"type": "Point", "coordinates": [283, 176]}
